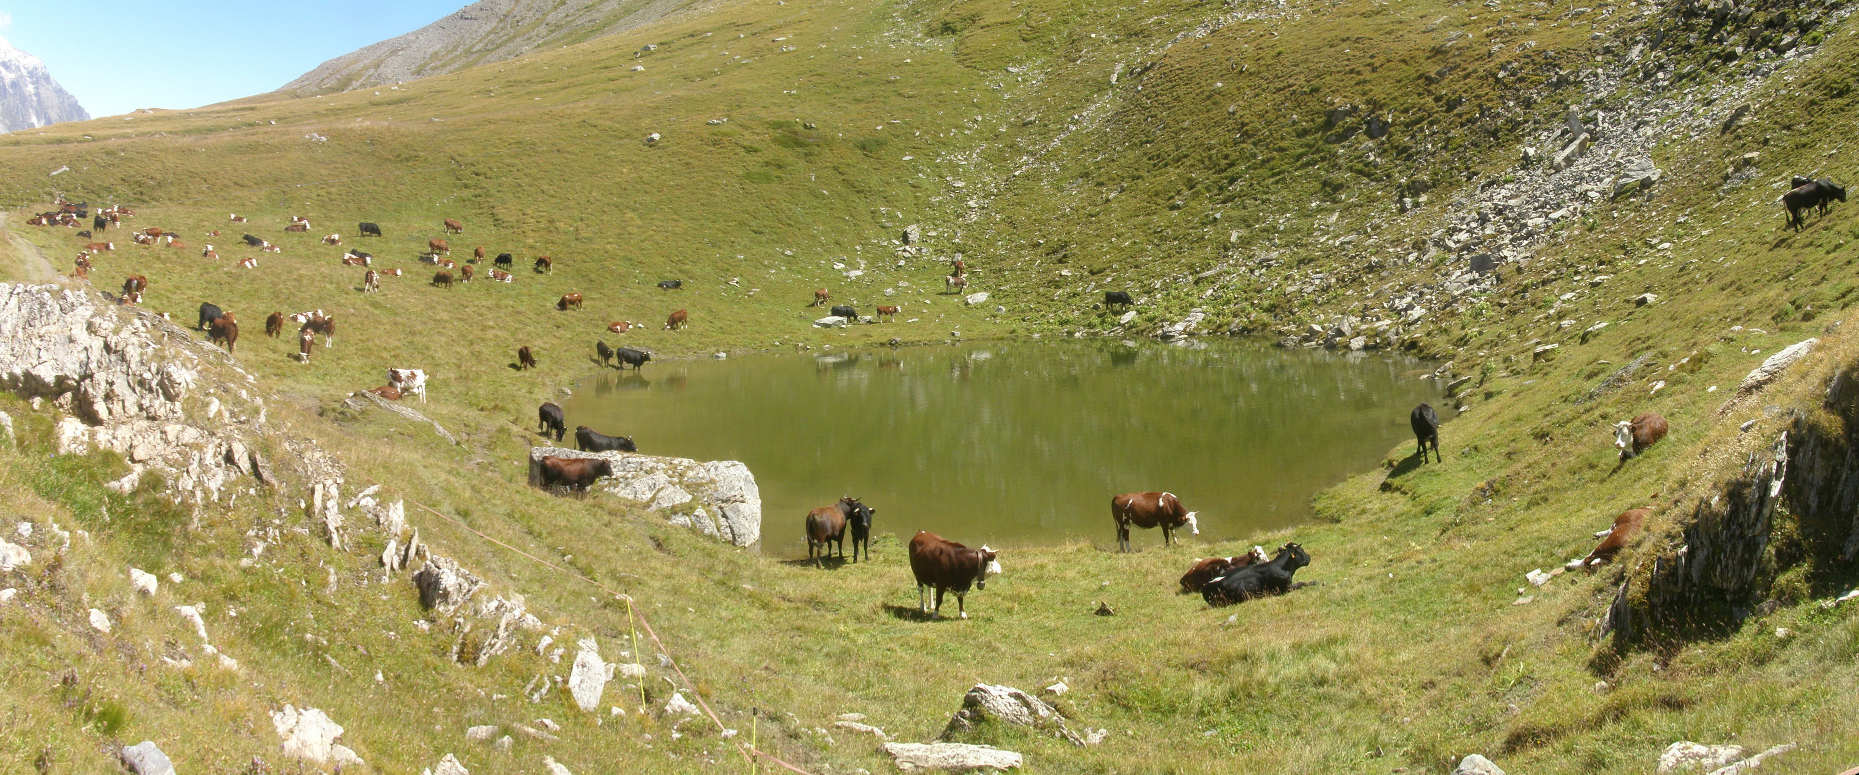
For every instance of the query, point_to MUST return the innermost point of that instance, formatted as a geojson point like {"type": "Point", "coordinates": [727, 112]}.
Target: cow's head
{"type": "Point", "coordinates": [1623, 436]}
{"type": "Point", "coordinates": [1194, 525]}
{"type": "Point", "coordinates": [990, 566]}
{"type": "Point", "coordinates": [1258, 555]}
{"type": "Point", "coordinates": [1296, 556]}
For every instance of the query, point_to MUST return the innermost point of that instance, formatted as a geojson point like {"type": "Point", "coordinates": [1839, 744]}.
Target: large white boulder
{"type": "Point", "coordinates": [718, 498]}
{"type": "Point", "coordinates": [309, 734]}
{"type": "Point", "coordinates": [588, 679]}
{"type": "Point", "coordinates": [956, 757]}
{"type": "Point", "coordinates": [1686, 756]}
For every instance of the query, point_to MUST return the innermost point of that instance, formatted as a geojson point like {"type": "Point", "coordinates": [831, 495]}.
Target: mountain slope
{"type": "Point", "coordinates": [483, 32]}
{"type": "Point", "coordinates": [29, 96]}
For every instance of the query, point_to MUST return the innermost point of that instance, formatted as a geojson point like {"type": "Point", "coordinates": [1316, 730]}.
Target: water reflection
{"type": "Point", "coordinates": [1023, 442]}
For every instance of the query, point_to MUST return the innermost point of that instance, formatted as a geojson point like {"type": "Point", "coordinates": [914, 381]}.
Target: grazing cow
{"type": "Point", "coordinates": [442, 279]}
{"type": "Point", "coordinates": [465, 273]}
{"type": "Point", "coordinates": [254, 240]}
{"type": "Point", "coordinates": [545, 265]}
{"type": "Point", "coordinates": [1426, 430]}
{"type": "Point", "coordinates": [820, 296]}
{"type": "Point", "coordinates": [568, 301]}
{"type": "Point", "coordinates": [630, 357]}
{"type": "Point", "coordinates": [224, 329]}
{"type": "Point", "coordinates": [670, 285]}
{"type": "Point", "coordinates": [858, 517]}
{"type": "Point", "coordinates": [477, 253]}
{"type": "Point", "coordinates": [408, 382]}
{"type": "Point", "coordinates": [454, 227]}
{"type": "Point", "coordinates": [133, 286]}
{"type": "Point", "coordinates": [1117, 299]}
{"type": "Point", "coordinates": [306, 341]}
{"type": "Point", "coordinates": [954, 283]}
{"type": "Point", "coordinates": [949, 566]}
{"type": "Point", "coordinates": [274, 324]}
{"type": "Point", "coordinates": [1212, 568]}
{"type": "Point", "coordinates": [370, 281]}
{"type": "Point", "coordinates": [100, 223]}
{"type": "Point", "coordinates": [845, 312]}
{"type": "Point", "coordinates": [826, 526]}
{"type": "Point", "coordinates": [438, 246]}
{"type": "Point", "coordinates": [1813, 193]}
{"type": "Point", "coordinates": [676, 320]}
{"type": "Point", "coordinates": [447, 263]}
{"type": "Point", "coordinates": [958, 267]}
{"type": "Point", "coordinates": [153, 232]}
{"type": "Point", "coordinates": [1150, 509]}
{"type": "Point", "coordinates": [589, 440]}
{"type": "Point", "coordinates": [1626, 526]}
{"type": "Point", "coordinates": [501, 276]}
{"type": "Point", "coordinates": [235, 217]}
{"type": "Point", "coordinates": [524, 358]}
{"type": "Point", "coordinates": [367, 229]}
{"type": "Point", "coordinates": [1271, 578]}
{"type": "Point", "coordinates": [618, 327]}
{"type": "Point", "coordinates": [888, 312]}
{"type": "Point", "coordinates": [208, 313]}
{"type": "Point", "coordinates": [549, 418]}
{"type": "Point", "coordinates": [318, 323]}
{"type": "Point", "coordinates": [573, 473]}
{"type": "Point", "coordinates": [1633, 437]}
{"type": "Point", "coordinates": [505, 259]}
{"type": "Point", "coordinates": [300, 226]}
{"type": "Point", "coordinates": [99, 247]}
{"type": "Point", "coordinates": [332, 239]}
{"type": "Point", "coordinates": [603, 350]}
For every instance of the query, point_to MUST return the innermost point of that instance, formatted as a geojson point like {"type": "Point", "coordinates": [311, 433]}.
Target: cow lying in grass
{"type": "Point", "coordinates": [1272, 578]}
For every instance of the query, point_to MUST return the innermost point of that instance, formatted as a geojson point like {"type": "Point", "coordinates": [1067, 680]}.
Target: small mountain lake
{"type": "Point", "coordinates": [1022, 442]}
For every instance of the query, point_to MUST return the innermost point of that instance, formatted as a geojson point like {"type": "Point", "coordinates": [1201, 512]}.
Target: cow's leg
{"type": "Point", "coordinates": [960, 605]}
{"type": "Point", "coordinates": [938, 612]}
{"type": "Point", "coordinates": [1123, 537]}
{"type": "Point", "coordinates": [922, 603]}
{"type": "Point", "coordinates": [1168, 537]}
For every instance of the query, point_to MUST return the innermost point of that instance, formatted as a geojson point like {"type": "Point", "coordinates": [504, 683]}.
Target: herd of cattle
{"type": "Point", "coordinates": [935, 562]}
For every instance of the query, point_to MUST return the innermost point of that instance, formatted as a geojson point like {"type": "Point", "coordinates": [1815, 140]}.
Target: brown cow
{"type": "Point", "coordinates": [677, 320]}
{"type": "Point", "coordinates": [464, 273]}
{"type": "Point", "coordinates": [298, 226]}
{"type": "Point", "coordinates": [442, 279]}
{"type": "Point", "coordinates": [388, 392]}
{"type": "Point", "coordinates": [1215, 567]}
{"type": "Point", "coordinates": [524, 358]}
{"type": "Point", "coordinates": [306, 341]}
{"type": "Point", "coordinates": [545, 265]}
{"type": "Point", "coordinates": [619, 326]}
{"type": "Point", "coordinates": [501, 276]}
{"type": "Point", "coordinates": [957, 267]}
{"type": "Point", "coordinates": [568, 301]}
{"type": "Point", "coordinates": [573, 473]}
{"type": "Point", "coordinates": [274, 324]}
{"type": "Point", "coordinates": [249, 262]}
{"type": "Point", "coordinates": [332, 239]}
{"type": "Point", "coordinates": [235, 217]}
{"type": "Point", "coordinates": [454, 227]}
{"type": "Point", "coordinates": [1149, 509]}
{"type": "Point", "coordinates": [826, 526]}
{"type": "Point", "coordinates": [225, 329]}
{"type": "Point", "coordinates": [438, 246]}
{"type": "Point", "coordinates": [478, 252]}
{"type": "Point", "coordinates": [1626, 526]}
{"type": "Point", "coordinates": [954, 283]}
{"type": "Point", "coordinates": [133, 286]}
{"type": "Point", "coordinates": [99, 247]}
{"type": "Point", "coordinates": [949, 566]}
{"type": "Point", "coordinates": [1635, 436]}
{"type": "Point", "coordinates": [371, 281]}
{"type": "Point", "coordinates": [83, 267]}
{"type": "Point", "coordinates": [888, 312]}
{"type": "Point", "coordinates": [820, 296]}
{"type": "Point", "coordinates": [319, 323]}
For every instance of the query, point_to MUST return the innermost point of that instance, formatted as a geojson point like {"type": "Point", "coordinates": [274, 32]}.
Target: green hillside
{"type": "Point", "coordinates": [1228, 158]}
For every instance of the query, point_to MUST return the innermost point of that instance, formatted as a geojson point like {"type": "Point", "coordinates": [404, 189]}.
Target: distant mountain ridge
{"type": "Point", "coordinates": [29, 96]}
{"type": "Point", "coordinates": [483, 32]}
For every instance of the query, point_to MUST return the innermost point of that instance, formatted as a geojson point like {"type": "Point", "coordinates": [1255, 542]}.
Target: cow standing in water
{"type": "Point", "coordinates": [1150, 509]}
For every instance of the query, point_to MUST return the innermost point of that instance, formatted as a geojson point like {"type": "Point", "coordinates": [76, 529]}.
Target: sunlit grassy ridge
{"type": "Point", "coordinates": [1409, 651]}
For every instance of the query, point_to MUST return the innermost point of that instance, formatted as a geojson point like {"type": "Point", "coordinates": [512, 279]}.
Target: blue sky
{"type": "Point", "coordinates": [116, 56]}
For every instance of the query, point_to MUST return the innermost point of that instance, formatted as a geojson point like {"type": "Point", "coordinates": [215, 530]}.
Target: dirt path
{"type": "Point", "coordinates": [28, 263]}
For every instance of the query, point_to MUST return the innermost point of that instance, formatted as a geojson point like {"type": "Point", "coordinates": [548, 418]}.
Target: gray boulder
{"type": "Point", "coordinates": [1686, 756]}
{"type": "Point", "coordinates": [444, 585]}
{"type": "Point", "coordinates": [588, 679]}
{"type": "Point", "coordinates": [1007, 705]}
{"type": "Point", "coordinates": [145, 758]}
{"type": "Point", "coordinates": [1476, 765]}
{"type": "Point", "coordinates": [718, 498]}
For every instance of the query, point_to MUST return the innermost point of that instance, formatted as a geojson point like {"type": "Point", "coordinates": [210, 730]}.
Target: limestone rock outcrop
{"type": "Point", "coordinates": [718, 498]}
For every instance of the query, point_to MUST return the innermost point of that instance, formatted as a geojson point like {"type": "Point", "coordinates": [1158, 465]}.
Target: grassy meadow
{"type": "Point", "coordinates": [995, 126]}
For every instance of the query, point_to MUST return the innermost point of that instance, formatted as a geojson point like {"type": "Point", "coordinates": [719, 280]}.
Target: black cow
{"type": "Point", "coordinates": [100, 223]}
{"type": "Point", "coordinates": [589, 440]}
{"type": "Point", "coordinates": [631, 357]}
{"type": "Point", "coordinates": [1818, 194]}
{"type": "Point", "coordinates": [505, 259]}
{"type": "Point", "coordinates": [670, 285]}
{"type": "Point", "coordinates": [367, 229]}
{"type": "Point", "coordinates": [254, 240]}
{"type": "Point", "coordinates": [1426, 430]}
{"type": "Point", "coordinates": [209, 313]}
{"type": "Point", "coordinates": [845, 312]}
{"type": "Point", "coordinates": [604, 351]}
{"type": "Point", "coordinates": [1117, 299]}
{"type": "Point", "coordinates": [549, 418]}
{"type": "Point", "coordinates": [1272, 578]}
{"type": "Point", "coordinates": [858, 517]}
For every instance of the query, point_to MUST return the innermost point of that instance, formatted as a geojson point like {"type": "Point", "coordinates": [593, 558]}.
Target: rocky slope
{"type": "Point", "coordinates": [29, 96]}
{"type": "Point", "coordinates": [483, 32]}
